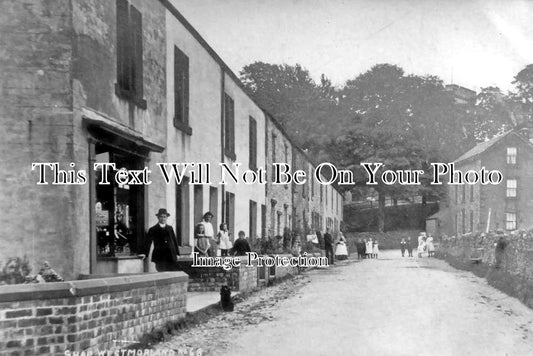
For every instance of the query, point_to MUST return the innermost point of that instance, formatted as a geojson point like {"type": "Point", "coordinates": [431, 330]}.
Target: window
{"type": "Point", "coordinates": [472, 193]}
{"type": "Point", "coordinates": [463, 221]}
{"type": "Point", "coordinates": [253, 144]}
{"type": "Point", "coordinates": [273, 155]}
{"type": "Point", "coordinates": [129, 54]}
{"type": "Point", "coordinates": [511, 188]}
{"type": "Point", "coordinates": [510, 221]}
{"type": "Point", "coordinates": [213, 205]}
{"type": "Point", "coordinates": [456, 195]}
{"type": "Point", "coordinates": [471, 220]}
{"type": "Point", "coordinates": [229, 127]}
{"type": "Point", "coordinates": [463, 196]}
{"type": "Point", "coordinates": [263, 221]}
{"type": "Point", "coordinates": [278, 224]}
{"type": "Point", "coordinates": [198, 203]}
{"type": "Point", "coordinates": [253, 220]}
{"type": "Point", "coordinates": [119, 208]}
{"type": "Point", "coordinates": [511, 155]}
{"type": "Point", "coordinates": [181, 91]}
{"type": "Point", "coordinates": [229, 219]}
{"type": "Point", "coordinates": [272, 217]}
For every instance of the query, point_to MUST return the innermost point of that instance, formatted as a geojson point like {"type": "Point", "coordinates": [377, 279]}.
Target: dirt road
{"type": "Point", "coordinates": [388, 306]}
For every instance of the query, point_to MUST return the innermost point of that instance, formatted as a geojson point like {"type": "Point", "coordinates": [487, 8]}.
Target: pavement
{"type": "Point", "coordinates": [197, 301]}
{"type": "Point", "coordinates": [386, 306]}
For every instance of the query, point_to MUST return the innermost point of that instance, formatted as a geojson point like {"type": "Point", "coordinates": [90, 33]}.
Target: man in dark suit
{"type": "Point", "coordinates": [165, 244]}
{"type": "Point", "coordinates": [328, 243]}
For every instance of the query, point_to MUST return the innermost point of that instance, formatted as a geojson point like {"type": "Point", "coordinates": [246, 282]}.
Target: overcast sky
{"type": "Point", "coordinates": [473, 43]}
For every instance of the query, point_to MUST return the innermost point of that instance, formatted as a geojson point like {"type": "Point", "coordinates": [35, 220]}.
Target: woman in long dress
{"type": "Point", "coordinates": [430, 246]}
{"type": "Point", "coordinates": [375, 248]}
{"type": "Point", "coordinates": [341, 251]}
{"type": "Point", "coordinates": [421, 247]}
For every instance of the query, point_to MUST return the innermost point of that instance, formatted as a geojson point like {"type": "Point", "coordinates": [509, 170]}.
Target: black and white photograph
{"type": "Point", "coordinates": [266, 177]}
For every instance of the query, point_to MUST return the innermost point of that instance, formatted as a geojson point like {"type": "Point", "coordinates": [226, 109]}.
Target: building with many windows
{"type": "Point", "coordinates": [507, 205]}
{"type": "Point", "coordinates": [93, 87]}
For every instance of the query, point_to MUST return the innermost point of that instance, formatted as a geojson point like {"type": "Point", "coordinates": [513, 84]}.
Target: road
{"type": "Point", "coordinates": [388, 306]}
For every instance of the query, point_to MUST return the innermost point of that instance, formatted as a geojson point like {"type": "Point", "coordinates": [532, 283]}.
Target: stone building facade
{"type": "Point", "coordinates": [129, 84]}
{"type": "Point", "coordinates": [487, 207]}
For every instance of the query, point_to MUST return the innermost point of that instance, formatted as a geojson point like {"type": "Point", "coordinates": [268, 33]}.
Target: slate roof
{"type": "Point", "coordinates": [482, 147]}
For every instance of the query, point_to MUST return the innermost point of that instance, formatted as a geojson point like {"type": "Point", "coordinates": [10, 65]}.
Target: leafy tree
{"type": "Point", "coordinates": [523, 97]}
{"type": "Point", "coordinates": [304, 108]}
{"type": "Point", "coordinates": [404, 122]}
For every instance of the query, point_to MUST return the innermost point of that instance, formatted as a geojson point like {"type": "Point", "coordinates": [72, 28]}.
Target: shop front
{"type": "Point", "coordinates": [118, 206]}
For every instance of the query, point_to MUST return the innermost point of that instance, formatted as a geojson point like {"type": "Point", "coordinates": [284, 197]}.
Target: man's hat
{"type": "Point", "coordinates": [162, 212]}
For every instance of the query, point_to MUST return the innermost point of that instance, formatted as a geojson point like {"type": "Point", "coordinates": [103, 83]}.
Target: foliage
{"type": "Point", "coordinates": [303, 107]}
{"type": "Point", "coordinates": [17, 270]}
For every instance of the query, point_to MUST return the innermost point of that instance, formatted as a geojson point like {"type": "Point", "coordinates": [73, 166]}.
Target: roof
{"type": "Point", "coordinates": [441, 214]}
{"type": "Point", "coordinates": [174, 11]}
{"type": "Point", "coordinates": [482, 147]}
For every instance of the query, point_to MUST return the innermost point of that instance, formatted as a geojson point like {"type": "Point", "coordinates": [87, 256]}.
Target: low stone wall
{"type": "Point", "coordinates": [42, 319]}
{"type": "Point", "coordinates": [506, 259]}
{"type": "Point", "coordinates": [209, 279]}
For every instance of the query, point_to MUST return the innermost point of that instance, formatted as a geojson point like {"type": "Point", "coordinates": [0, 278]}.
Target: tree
{"type": "Point", "coordinates": [523, 97]}
{"type": "Point", "coordinates": [404, 122]}
{"type": "Point", "coordinates": [303, 108]}
{"type": "Point", "coordinates": [494, 113]}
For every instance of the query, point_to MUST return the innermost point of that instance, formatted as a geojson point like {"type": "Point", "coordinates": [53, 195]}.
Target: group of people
{"type": "Point", "coordinates": [335, 249]}
{"type": "Point", "coordinates": [425, 243]}
{"type": "Point", "coordinates": [367, 248]}
{"type": "Point", "coordinates": [206, 244]}
{"type": "Point", "coordinates": [166, 248]}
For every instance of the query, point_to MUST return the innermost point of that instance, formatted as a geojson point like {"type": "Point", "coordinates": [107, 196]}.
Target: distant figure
{"type": "Point", "coordinates": [328, 244]}
{"type": "Point", "coordinates": [201, 242]}
{"type": "Point", "coordinates": [403, 246]}
{"type": "Point", "coordinates": [361, 248]}
{"type": "Point", "coordinates": [421, 247]}
{"type": "Point", "coordinates": [223, 239]}
{"type": "Point", "coordinates": [409, 246]}
{"type": "Point", "coordinates": [421, 237]}
{"type": "Point", "coordinates": [341, 251]}
{"type": "Point", "coordinates": [241, 245]}
{"type": "Point", "coordinates": [375, 248]}
{"type": "Point", "coordinates": [430, 246]}
{"type": "Point", "coordinates": [368, 248]}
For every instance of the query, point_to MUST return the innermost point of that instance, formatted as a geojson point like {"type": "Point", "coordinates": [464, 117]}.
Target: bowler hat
{"type": "Point", "coordinates": [162, 212]}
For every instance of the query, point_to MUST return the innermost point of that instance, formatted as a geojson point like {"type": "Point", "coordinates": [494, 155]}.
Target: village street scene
{"type": "Point", "coordinates": [300, 178]}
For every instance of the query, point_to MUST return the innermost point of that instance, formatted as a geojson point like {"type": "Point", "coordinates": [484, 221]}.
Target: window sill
{"type": "Point", "coordinates": [115, 258]}
{"type": "Point", "coordinates": [182, 126]}
{"type": "Point", "coordinates": [230, 155]}
{"type": "Point", "coordinates": [129, 96]}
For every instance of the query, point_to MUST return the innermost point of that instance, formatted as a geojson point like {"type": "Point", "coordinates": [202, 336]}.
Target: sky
{"type": "Point", "coordinates": [472, 43]}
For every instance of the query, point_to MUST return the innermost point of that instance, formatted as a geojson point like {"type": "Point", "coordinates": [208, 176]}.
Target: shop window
{"type": "Point", "coordinates": [118, 207]}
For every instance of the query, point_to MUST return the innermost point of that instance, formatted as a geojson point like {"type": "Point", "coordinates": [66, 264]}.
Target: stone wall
{"type": "Point", "coordinates": [508, 267]}
{"type": "Point", "coordinates": [42, 319]}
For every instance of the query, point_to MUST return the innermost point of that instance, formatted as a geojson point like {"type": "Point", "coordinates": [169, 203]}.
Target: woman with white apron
{"type": "Point", "coordinates": [341, 251]}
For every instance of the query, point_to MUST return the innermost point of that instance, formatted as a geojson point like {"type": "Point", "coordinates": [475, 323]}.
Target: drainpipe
{"type": "Point", "coordinates": [222, 107]}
